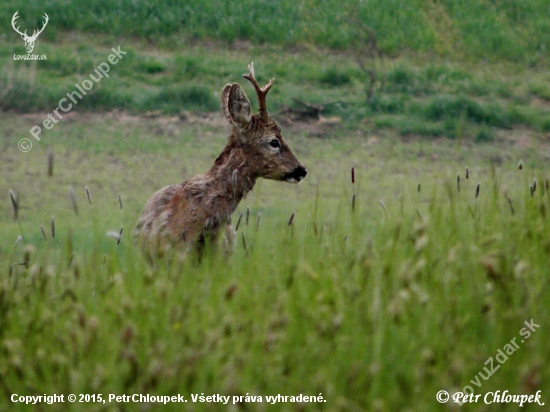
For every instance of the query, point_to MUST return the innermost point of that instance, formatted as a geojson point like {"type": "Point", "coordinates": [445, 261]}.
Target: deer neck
{"type": "Point", "coordinates": [232, 176]}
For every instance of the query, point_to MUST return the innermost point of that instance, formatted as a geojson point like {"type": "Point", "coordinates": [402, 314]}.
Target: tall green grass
{"type": "Point", "coordinates": [513, 31]}
{"type": "Point", "coordinates": [374, 307]}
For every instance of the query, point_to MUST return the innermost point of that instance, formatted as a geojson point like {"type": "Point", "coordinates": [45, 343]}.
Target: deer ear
{"type": "Point", "coordinates": [236, 105]}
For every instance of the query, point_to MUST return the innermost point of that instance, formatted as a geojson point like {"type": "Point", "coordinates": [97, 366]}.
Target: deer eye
{"type": "Point", "coordinates": [275, 144]}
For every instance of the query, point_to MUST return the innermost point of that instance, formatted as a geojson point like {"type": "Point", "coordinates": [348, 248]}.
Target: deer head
{"type": "Point", "coordinates": [257, 136]}
{"type": "Point", "coordinates": [29, 40]}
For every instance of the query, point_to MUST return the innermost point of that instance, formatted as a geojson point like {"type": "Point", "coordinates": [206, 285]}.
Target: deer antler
{"type": "Point", "coordinates": [261, 92]}
{"type": "Point", "coordinates": [13, 19]}
{"type": "Point", "coordinates": [46, 20]}
{"type": "Point", "coordinates": [35, 34]}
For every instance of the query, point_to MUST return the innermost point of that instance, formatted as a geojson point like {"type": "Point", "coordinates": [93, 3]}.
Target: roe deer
{"type": "Point", "coordinates": [196, 211]}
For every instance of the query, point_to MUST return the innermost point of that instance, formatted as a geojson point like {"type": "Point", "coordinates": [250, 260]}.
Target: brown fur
{"type": "Point", "coordinates": [195, 212]}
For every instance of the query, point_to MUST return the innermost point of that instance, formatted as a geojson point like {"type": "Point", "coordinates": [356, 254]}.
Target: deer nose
{"type": "Point", "coordinates": [296, 175]}
{"type": "Point", "coordinates": [300, 172]}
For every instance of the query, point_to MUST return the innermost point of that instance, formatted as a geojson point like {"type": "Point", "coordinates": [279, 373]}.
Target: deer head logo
{"type": "Point", "coordinates": [29, 40]}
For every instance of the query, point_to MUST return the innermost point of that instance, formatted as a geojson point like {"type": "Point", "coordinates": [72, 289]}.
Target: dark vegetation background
{"type": "Point", "coordinates": [514, 31]}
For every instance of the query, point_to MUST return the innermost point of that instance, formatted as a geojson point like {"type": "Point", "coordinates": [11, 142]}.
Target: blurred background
{"type": "Point", "coordinates": [426, 68]}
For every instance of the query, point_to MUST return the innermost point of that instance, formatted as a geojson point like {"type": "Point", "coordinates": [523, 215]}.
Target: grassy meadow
{"type": "Point", "coordinates": [376, 295]}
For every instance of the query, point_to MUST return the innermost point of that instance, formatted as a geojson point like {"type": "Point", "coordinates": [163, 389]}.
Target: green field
{"type": "Point", "coordinates": [381, 292]}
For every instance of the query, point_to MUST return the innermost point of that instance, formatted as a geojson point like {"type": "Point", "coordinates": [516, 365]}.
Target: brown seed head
{"type": "Point", "coordinates": [291, 219]}
{"type": "Point", "coordinates": [238, 222]}
{"type": "Point", "coordinates": [230, 291]}
{"type": "Point", "coordinates": [511, 204]}
{"type": "Point", "coordinates": [50, 162]}
{"type": "Point", "coordinates": [88, 194]}
{"type": "Point", "coordinates": [52, 226]}
{"type": "Point", "coordinates": [14, 203]}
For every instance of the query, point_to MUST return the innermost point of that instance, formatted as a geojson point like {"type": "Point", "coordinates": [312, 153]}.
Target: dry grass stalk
{"type": "Point", "coordinates": [238, 222]}
{"type": "Point", "coordinates": [258, 220]}
{"type": "Point", "coordinates": [247, 215]}
{"type": "Point", "coordinates": [120, 201]}
{"type": "Point", "coordinates": [477, 191]}
{"type": "Point", "coordinates": [52, 226]}
{"type": "Point", "coordinates": [353, 185]}
{"type": "Point", "coordinates": [511, 204]}
{"type": "Point", "coordinates": [291, 220]}
{"type": "Point", "coordinates": [467, 172]}
{"type": "Point", "coordinates": [384, 207]}
{"type": "Point", "coordinates": [43, 233]}
{"type": "Point", "coordinates": [73, 200]}
{"type": "Point", "coordinates": [458, 182]}
{"type": "Point", "coordinates": [88, 195]}
{"type": "Point", "coordinates": [28, 251]}
{"type": "Point", "coordinates": [15, 205]}
{"type": "Point", "coordinates": [243, 237]}
{"type": "Point", "coordinates": [50, 162]}
{"type": "Point", "coordinates": [16, 214]}
{"type": "Point", "coordinates": [418, 187]}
